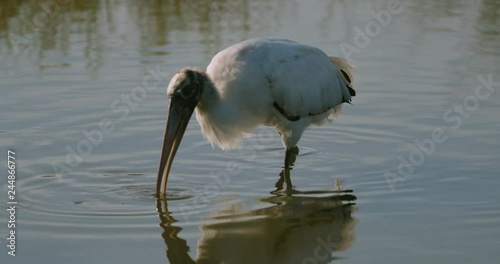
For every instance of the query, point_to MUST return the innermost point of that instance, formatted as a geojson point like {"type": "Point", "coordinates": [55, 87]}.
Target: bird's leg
{"type": "Point", "coordinates": [290, 157]}
{"type": "Point", "coordinates": [288, 180]}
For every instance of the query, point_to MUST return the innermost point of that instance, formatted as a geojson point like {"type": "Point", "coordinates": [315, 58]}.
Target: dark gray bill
{"type": "Point", "coordinates": [178, 118]}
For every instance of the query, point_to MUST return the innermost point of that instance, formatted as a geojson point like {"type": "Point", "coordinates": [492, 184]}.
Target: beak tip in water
{"type": "Point", "coordinates": [178, 119]}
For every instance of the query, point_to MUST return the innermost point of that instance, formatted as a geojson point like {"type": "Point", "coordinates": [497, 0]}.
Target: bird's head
{"type": "Point", "coordinates": [184, 92]}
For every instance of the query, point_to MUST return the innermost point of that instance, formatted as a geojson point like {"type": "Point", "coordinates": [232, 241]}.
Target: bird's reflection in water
{"type": "Point", "coordinates": [293, 229]}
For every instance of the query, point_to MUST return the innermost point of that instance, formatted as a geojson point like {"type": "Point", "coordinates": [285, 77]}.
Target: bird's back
{"type": "Point", "coordinates": [299, 78]}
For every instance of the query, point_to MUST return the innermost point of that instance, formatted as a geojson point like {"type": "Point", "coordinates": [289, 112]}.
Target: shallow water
{"type": "Point", "coordinates": [84, 199]}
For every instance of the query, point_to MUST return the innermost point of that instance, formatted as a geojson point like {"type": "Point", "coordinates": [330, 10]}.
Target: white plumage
{"type": "Point", "coordinates": [263, 81]}
{"type": "Point", "coordinates": [250, 76]}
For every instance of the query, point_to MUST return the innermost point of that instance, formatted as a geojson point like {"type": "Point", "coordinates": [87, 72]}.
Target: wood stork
{"type": "Point", "coordinates": [263, 81]}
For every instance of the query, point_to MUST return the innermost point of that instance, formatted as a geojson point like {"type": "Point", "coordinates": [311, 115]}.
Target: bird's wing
{"type": "Point", "coordinates": [304, 81]}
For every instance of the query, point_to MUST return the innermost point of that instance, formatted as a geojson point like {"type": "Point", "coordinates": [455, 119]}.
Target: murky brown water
{"type": "Point", "coordinates": [419, 147]}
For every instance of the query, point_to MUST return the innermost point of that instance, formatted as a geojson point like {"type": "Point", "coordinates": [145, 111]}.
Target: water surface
{"type": "Point", "coordinates": [84, 107]}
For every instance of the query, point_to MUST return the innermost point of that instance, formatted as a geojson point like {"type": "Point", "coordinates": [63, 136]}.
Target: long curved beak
{"type": "Point", "coordinates": [178, 118]}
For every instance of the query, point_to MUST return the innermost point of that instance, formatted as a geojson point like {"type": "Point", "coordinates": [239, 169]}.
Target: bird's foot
{"type": "Point", "coordinates": [337, 184]}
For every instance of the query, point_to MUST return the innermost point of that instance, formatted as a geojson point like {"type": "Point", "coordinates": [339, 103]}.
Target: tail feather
{"type": "Point", "coordinates": [347, 71]}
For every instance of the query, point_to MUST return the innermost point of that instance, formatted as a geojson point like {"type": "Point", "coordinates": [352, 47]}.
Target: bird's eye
{"type": "Point", "coordinates": [188, 90]}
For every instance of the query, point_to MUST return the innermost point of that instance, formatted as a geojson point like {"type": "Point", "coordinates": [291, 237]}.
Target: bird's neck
{"type": "Point", "coordinates": [218, 118]}
{"type": "Point", "coordinates": [210, 97]}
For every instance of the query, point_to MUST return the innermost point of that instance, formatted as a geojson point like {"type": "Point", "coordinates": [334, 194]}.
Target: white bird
{"type": "Point", "coordinates": [263, 81]}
